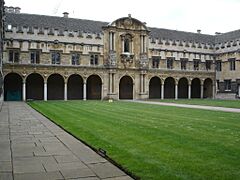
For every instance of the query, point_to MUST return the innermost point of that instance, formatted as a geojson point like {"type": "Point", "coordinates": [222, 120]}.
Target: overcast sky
{"type": "Point", "coordinates": [186, 15]}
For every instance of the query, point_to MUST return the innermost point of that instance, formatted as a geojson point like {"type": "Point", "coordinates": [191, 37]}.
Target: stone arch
{"type": "Point", "coordinates": [75, 87]}
{"type": "Point", "coordinates": [183, 88]}
{"type": "Point", "coordinates": [13, 87]}
{"type": "Point", "coordinates": [155, 88]}
{"type": "Point", "coordinates": [126, 87]}
{"type": "Point", "coordinates": [34, 86]}
{"type": "Point", "coordinates": [94, 87]}
{"type": "Point", "coordinates": [208, 88]}
{"type": "Point", "coordinates": [169, 88]}
{"type": "Point", "coordinates": [55, 87]}
{"type": "Point", "coordinates": [196, 88]}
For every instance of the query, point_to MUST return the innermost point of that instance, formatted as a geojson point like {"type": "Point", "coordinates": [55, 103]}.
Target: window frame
{"type": "Point", "coordinates": [183, 63]}
{"type": "Point", "coordinates": [53, 58]}
{"type": "Point", "coordinates": [155, 62]}
{"type": "Point", "coordinates": [232, 64]}
{"type": "Point", "coordinates": [13, 56]}
{"type": "Point", "coordinates": [208, 65]}
{"type": "Point", "coordinates": [196, 64]}
{"type": "Point", "coordinates": [75, 61]}
{"type": "Point", "coordinates": [227, 85]}
{"type": "Point", "coordinates": [94, 59]}
{"type": "Point", "coordinates": [170, 62]}
{"type": "Point", "coordinates": [36, 59]}
{"type": "Point", "coordinates": [219, 65]}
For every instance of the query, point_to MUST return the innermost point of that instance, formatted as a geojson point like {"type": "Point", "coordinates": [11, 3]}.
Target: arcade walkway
{"type": "Point", "coordinates": [32, 147]}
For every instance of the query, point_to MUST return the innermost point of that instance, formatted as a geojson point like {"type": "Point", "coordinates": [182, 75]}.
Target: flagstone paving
{"type": "Point", "coordinates": [32, 147]}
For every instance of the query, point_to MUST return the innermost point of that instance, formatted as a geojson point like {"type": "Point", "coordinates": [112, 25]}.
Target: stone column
{"type": "Point", "coordinates": [24, 91]}
{"type": "Point", "coordinates": [213, 91]}
{"type": "Point", "coordinates": [189, 91]}
{"type": "Point", "coordinates": [113, 41]}
{"type": "Point", "coordinates": [141, 38]}
{"type": "Point", "coordinates": [201, 91]}
{"type": "Point", "coordinates": [176, 91]}
{"type": "Point", "coordinates": [65, 91]}
{"type": "Point", "coordinates": [113, 87]}
{"type": "Point", "coordinates": [110, 40]}
{"type": "Point", "coordinates": [110, 83]}
{"type": "Point", "coordinates": [141, 83]}
{"type": "Point", "coordinates": [238, 90]}
{"type": "Point", "coordinates": [144, 44]}
{"type": "Point", "coordinates": [162, 91]}
{"type": "Point", "coordinates": [45, 91]}
{"type": "Point", "coordinates": [122, 45]}
{"type": "Point", "coordinates": [84, 90]}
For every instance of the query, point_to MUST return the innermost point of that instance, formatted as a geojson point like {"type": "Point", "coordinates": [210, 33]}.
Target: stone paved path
{"type": "Point", "coordinates": [213, 108]}
{"type": "Point", "coordinates": [32, 147]}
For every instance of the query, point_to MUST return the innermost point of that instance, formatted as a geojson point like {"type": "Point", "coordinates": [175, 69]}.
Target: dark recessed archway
{"type": "Point", "coordinates": [34, 86]}
{"type": "Point", "coordinates": [55, 87]}
{"type": "Point", "coordinates": [169, 88]}
{"type": "Point", "coordinates": [196, 88]}
{"type": "Point", "coordinates": [75, 87]}
{"type": "Point", "coordinates": [126, 88]}
{"type": "Point", "coordinates": [155, 88]}
{"type": "Point", "coordinates": [94, 87]}
{"type": "Point", "coordinates": [183, 88]}
{"type": "Point", "coordinates": [208, 88]}
{"type": "Point", "coordinates": [13, 87]}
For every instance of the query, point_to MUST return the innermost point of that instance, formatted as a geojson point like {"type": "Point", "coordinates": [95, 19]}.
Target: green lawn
{"type": "Point", "coordinates": [207, 102]}
{"type": "Point", "coordinates": [155, 142]}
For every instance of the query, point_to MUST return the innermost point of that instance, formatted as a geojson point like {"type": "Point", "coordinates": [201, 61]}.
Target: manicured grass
{"type": "Point", "coordinates": [155, 142]}
{"type": "Point", "coordinates": [207, 102]}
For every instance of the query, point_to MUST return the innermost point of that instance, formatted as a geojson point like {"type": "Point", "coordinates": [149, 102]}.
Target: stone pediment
{"type": "Point", "coordinates": [129, 23]}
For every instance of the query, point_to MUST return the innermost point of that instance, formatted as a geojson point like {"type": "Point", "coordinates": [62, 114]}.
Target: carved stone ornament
{"type": "Point", "coordinates": [143, 60]}
{"type": "Point", "coordinates": [127, 58]}
{"type": "Point", "coordinates": [112, 58]}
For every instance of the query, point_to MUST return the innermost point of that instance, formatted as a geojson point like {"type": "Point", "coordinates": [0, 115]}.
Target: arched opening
{"type": "Point", "coordinates": [183, 88]}
{"type": "Point", "coordinates": [196, 88]}
{"type": "Point", "coordinates": [169, 88]}
{"type": "Point", "coordinates": [207, 89]}
{"type": "Point", "coordinates": [13, 87]}
{"type": "Point", "coordinates": [75, 87]}
{"type": "Point", "coordinates": [55, 90]}
{"type": "Point", "coordinates": [94, 87]}
{"type": "Point", "coordinates": [155, 88]}
{"type": "Point", "coordinates": [34, 86]}
{"type": "Point", "coordinates": [126, 88]}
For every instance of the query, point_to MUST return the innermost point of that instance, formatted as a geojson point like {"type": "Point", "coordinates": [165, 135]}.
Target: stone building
{"type": "Point", "coordinates": [1, 46]}
{"type": "Point", "coordinates": [48, 58]}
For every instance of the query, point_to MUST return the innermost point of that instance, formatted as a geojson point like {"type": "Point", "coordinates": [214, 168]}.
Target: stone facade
{"type": "Point", "coordinates": [1, 46]}
{"type": "Point", "coordinates": [125, 59]}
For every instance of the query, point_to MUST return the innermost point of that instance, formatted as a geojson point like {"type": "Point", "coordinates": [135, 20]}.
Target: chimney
{"type": "Point", "coordinates": [65, 14]}
{"type": "Point", "coordinates": [17, 10]}
{"type": "Point", "coordinates": [11, 9]}
{"type": "Point", "coordinates": [199, 31]}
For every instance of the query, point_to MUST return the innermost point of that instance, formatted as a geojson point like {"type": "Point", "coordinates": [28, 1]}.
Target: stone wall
{"type": "Point", "coordinates": [1, 49]}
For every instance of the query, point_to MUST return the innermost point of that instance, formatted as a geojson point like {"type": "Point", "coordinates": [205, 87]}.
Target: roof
{"type": "Point", "coordinates": [72, 24]}
{"type": "Point", "coordinates": [60, 23]}
{"type": "Point", "coordinates": [229, 36]}
{"type": "Point", "coordinates": [181, 35]}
